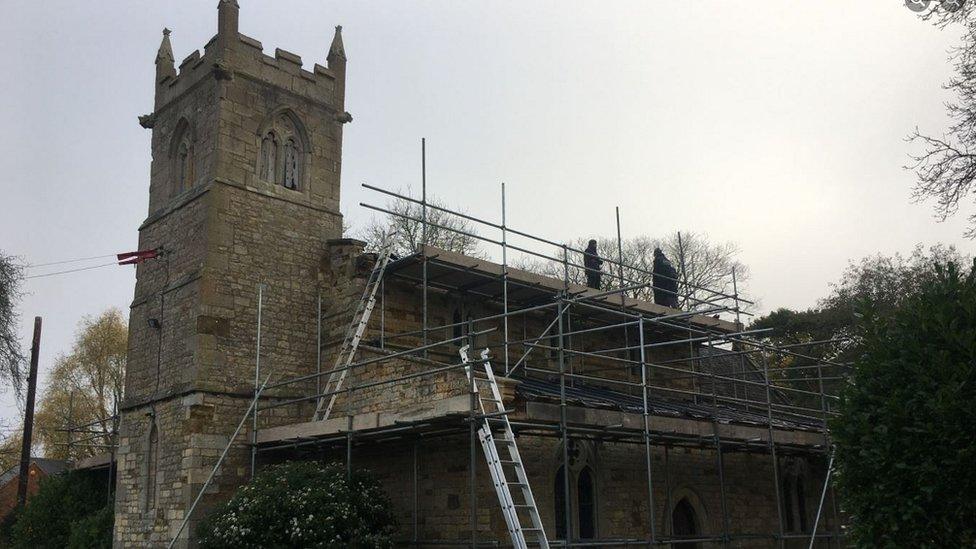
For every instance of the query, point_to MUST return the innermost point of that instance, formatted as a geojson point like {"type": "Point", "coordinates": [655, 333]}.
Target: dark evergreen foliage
{"type": "Point", "coordinates": [905, 436]}
{"type": "Point", "coordinates": [61, 512]}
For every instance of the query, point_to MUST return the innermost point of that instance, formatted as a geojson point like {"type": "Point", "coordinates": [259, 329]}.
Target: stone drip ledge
{"type": "Point", "coordinates": [439, 409]}
{"type": "Point", "coordinates": [597, 417]}
{"type": "Point", "coordinates": [454, 406]}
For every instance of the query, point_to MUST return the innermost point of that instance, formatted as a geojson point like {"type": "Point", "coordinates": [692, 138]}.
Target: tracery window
{"type": "Point", "coordinates": [582, 494]}
{"type": "Point", "coordinates": [269, 148]}
{"type": "Point", "coordinates": [793, 495]}
{"type": "Point", "coordinates": [291, 165]}
{"type": "Point", "coordinates": [282, 153]}
{"type": "Point", "coordinates": [794, 503]}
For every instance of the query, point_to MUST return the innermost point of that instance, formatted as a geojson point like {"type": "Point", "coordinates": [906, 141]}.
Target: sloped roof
{"type": "Point", "coordinates": [591, 396]}
{"type": "Point", "coordinates": [49, 466]}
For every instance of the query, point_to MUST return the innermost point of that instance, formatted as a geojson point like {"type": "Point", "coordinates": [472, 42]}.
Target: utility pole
{"type": "Point", "coordinates": [29, 415]}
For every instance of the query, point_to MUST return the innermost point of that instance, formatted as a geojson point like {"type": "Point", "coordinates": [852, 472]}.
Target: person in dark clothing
{"type": "Point", "coordinates": [593, 264]}
{"type": "Point", "coordinates": [665, 280]}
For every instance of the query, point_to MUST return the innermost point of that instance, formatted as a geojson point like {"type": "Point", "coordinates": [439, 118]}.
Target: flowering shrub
{"type": "Point", "coordinates": [303, 504]}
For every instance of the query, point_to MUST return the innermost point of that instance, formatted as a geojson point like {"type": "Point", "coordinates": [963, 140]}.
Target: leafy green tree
{"type": "Point", "coordinates": [904, 437]}
{"type": "Point", "coordinates": [61, 509]}
{"type": "Point", "coordinates": [303, 504]}
{"type": "Point", "coordinates": [884, 281]}
{"type": "Point", "coordinates": [93, 531]}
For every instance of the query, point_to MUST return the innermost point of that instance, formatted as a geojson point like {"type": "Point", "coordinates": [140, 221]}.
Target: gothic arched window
{"type": "Point", "coordinates": [282, 152]}
{"type": "Point", "coordinates": [152, 466]}
{"type": "Point", "coordinates": [458, 328]}
{"type": "Point", "coordinates": [793, 494]}
{"type": "Point", "coordinates": [269, 151]}
{"type": "Point", "coordinates": [583, 495]}
{"type": "Point", "coordinates": [586, 504]}
{"type": "Point", "coordinates": [684, 523]}
{"type": "Point", "coordinates": [794, 498]}
{"type": "Point", "coordinates": [290, 171]}
{"type": "Point", "coordinates": [183, 167]}
{"type": "Point", "coordinates": [181, 158]}
{"type": "Point", "coordinates": [559, 501]}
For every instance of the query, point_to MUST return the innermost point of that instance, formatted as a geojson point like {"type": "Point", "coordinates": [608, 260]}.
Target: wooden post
{"type": "Point", "coordinates": [25, 447]}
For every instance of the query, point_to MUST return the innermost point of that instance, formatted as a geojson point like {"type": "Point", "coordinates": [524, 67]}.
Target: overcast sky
{"type": "Point", "coordinates": [777, 125]}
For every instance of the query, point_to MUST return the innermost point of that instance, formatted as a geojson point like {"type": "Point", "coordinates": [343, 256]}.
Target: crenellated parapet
{"type": "Point", "coordinates": [231, 94]}
{"type": "Point", "coordinates": [241, 55]}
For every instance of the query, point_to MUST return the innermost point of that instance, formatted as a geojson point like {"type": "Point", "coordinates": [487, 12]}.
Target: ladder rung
{"type": "Point", "coordinates": [359, 324]}
{"type": "Point", "coordinates": [496, 429]}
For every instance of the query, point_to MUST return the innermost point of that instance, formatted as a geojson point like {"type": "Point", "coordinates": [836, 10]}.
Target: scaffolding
{"type": "Point", "coordinates": [709, 326]}
{"type": "Point", "coordinates": [99, 439]}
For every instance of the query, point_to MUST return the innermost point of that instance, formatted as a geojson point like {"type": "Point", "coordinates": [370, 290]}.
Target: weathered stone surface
{"type": "Point", "coordinates": [222, 230]}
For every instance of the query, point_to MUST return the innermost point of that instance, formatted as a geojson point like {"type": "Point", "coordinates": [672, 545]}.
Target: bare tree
{"type": "Point", "coordinates": [444, 230]}
{"type": "Point", "coordinates": [704, 267]}
{"type": "Point", "coordinates": [11, 354]}
{"type": "Point", "coordinates": [10, 448]}
{"type": "Point", "coordinates": [946, 165]}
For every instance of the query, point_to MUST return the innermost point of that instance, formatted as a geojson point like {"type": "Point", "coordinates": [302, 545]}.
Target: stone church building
{"type": "Point", "coordinates": [686, 445]}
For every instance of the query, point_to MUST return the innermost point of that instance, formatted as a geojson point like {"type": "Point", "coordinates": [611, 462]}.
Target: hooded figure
{"type": "Point", "coordinates": [593, 264]}
{"type": "Point", "coordinates": [665, 280]}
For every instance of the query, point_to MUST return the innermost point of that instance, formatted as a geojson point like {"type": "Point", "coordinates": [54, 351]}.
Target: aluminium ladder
{"type": "Point", "coordinates": [354, 334]}
{"type": "Point", "coordinates": [496, 430]}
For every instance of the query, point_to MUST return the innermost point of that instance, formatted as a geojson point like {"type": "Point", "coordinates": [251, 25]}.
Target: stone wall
{"type": "Point", "coordinates": [191, 432]}
{"type": "Point", "coordinates": [442, 495]}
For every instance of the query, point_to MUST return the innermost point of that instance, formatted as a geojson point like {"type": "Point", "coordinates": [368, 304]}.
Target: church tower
{"type": "Point", "coordinates": [243, 191]}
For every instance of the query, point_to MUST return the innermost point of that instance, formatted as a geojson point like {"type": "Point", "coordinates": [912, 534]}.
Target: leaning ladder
{"type": "Point", "coordinates": [354, 334]}
{"type": "Point", "coordinates": [496, 430]}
